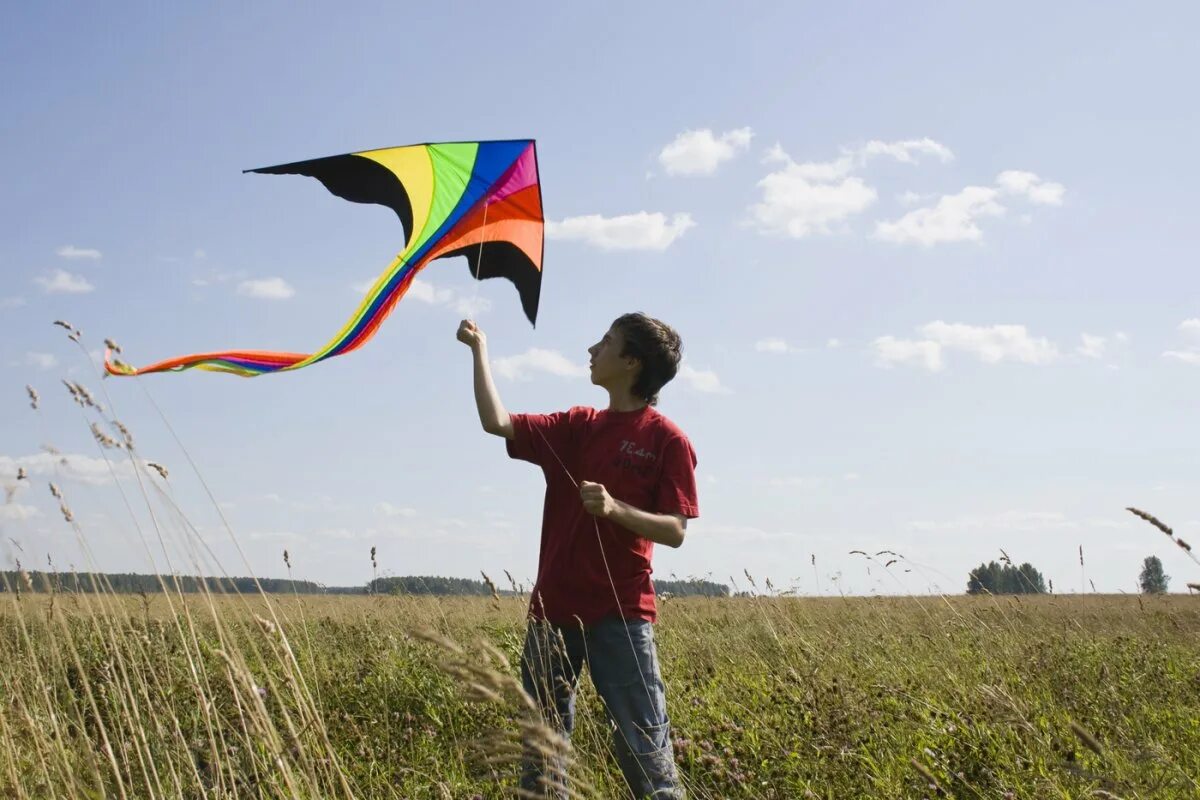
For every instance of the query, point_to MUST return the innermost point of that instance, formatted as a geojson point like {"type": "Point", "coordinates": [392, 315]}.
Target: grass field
{"type": "Point", "coordinates": [1042, 697]}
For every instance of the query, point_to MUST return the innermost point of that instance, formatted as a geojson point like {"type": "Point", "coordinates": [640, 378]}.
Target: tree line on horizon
{"type": "Point", "coordinates": [137, 583]}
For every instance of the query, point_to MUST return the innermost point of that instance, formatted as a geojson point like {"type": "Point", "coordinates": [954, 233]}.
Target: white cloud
{"type": "Point", "coordinates": [1092, 346]}
{"type": "Point", "coordinates": [833, 343]}
{"type": "Point", "coordinates": [814, 198]}
{"type": "Point", "coordinates": [850, 476]}
{"type": "Point", "coordinates": [471, 307]}
{"type": "Point", "coordinates": [266, 289]}
{"type": "Point", "coordinates": [890, 351]}
{"type": "Point", "coordinates": [640, 231]}
{"type": "Point", "coordinates": [951, 220]}
{"type": "Point", "coordinates": [1189, 327]}
{"type": "Point", "coordinates": [71, 251]}
{"type": "Point", "coordinates": [909, 198]}
{"type": "Point", "coordinates": [818, 197]}
{"type": "Point", "coordinates": [426, 292]}
{"type": "Point", "coordinates": [86, 469]}
{"type": "Point", "coordinates": [773, 345]}
{"type": "Point", "coordinates": [388, 510]}
{"type": "Point", "coordinates": [702, 380]}
{"type": "Point", "coordinates": [63, 282]}
{"type": "Point", "coordinates": [700, 152]}
{"type": "Point", "coordinates": [1030, 186]}
{"type": "Point", "coordinates": [16, 512]}
{"type": "Point", "coordinates": [12, 302]}
{"type": "Point", "coordinates": [521, 367]}
{"type": "Point", "coordinates": [41, 360]}
{"type": "Point", "coordinates": [992, 344]}
{"type": "Point", "coordinates": [905, 151]}
{"type": "Point", "coordinates": [1186, 356]}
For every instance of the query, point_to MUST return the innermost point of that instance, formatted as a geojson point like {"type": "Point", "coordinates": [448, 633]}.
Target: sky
{"type": "Point", "coordinates": [933, 266]}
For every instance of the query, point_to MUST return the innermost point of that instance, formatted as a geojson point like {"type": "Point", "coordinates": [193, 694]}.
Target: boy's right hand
{"type": "Point", "coordinates": [470, 334]}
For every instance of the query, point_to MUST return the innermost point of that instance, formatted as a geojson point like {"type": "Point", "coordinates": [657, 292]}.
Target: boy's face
{"type": "Point", "coordinates": [608, 367]}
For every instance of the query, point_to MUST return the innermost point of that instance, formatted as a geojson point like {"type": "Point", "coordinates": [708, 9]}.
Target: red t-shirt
{"type": "Point", "coordinates": [641, 458]}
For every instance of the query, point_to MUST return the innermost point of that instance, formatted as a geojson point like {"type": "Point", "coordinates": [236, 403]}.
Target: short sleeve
{"type": "Point", "coordinates": [537, 438]}
{"type": "Point", "coordinates": [676, 490]}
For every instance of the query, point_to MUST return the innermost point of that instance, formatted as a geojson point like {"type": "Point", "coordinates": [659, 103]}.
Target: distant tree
{"type": "Point", "coordinates": [1152, 579]}
{"type": "Point", "coordinates": [993, 578]}
{"type": "Point", "coordinates": [693, 588]}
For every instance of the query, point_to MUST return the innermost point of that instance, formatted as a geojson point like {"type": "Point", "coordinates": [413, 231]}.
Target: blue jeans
{"type": "Point", "coordinates": [623, 662]}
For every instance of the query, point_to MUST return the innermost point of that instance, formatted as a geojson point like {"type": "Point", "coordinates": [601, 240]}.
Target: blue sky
{"type": "Point", "coordinates": [932, 264]}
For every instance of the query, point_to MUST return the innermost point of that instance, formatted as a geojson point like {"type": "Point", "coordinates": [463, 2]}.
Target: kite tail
{"type": "Point", "coordinates": [362, 326]}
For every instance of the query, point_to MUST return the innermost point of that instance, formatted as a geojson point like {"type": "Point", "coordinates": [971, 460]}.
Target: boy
{"type": "Point", "coordinates": [618, 481]}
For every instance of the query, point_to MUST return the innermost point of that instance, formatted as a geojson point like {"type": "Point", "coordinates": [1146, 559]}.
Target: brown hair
{"type": "Point", "coordinates": [656, 345]}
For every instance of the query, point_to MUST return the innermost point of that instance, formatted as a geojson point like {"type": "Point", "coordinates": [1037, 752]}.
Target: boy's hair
{"type": "Point", "coordinates": [656, 345]}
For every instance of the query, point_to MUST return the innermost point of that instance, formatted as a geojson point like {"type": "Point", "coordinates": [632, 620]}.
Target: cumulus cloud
{"type": "Point", "coordinates": [522, 367]}
{"type": "Point", "coordinates": [992, 344]}
{"type": "Point", "coordinates": [60, 281]}
{"type": "Point", "coordinates": [640, 231]}
{"type": "Point", "coordinates": [1091, 346]}
{"type": "Point", "coordinates": [425, 292]}
{"type": "Point", "coordinates": [266, 289]}
{"type": "Point", "coordinates": [700, 152]}
{"type": "Point", "coordinates": [85, 469]}
{"type": "Point", "coordinates": [818, 197]}
{"type": "Point", "coordinates": [71, 251]}
{"type": "Point", "coordinates": [989, 344]}
{"type": "Point", "coordinates": [906, 151]}
{"type": "Point", "coordinates": [1030, 186]}
{"type": "Point", "coordinates": [953, 219]}
{"type": "Point", "coordinates": [1186, 356]}
{"type": "Point", "coordinates": [890, 351]}
{"type": "Point", "coordinates": [1190, 328]}
{"type": "Point", "coordinates": [702, 380]}
{"type": "Point", "coordinates": [799, 200]}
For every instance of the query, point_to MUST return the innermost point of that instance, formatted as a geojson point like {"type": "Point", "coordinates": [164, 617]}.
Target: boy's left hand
{"type": "Point", "coordinates": [596, 499]}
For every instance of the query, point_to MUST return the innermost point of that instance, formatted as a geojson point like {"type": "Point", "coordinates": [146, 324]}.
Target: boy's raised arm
{"type": "Point", "coordinates": [492, 414]}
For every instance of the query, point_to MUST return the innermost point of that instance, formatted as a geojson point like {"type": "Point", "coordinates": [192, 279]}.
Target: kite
{"type": "Point", "coordinates": [481, 200]}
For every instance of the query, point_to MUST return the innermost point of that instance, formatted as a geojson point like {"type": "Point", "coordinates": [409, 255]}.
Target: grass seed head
{"type": "Point", "coordinates": [1153, 520]}
{"type": "Point", "coordinates": [161, 470]}
{"type": "Point", "coordinates": [1086, 738]}
{"type": "Point", "coordinates": [33, 397]}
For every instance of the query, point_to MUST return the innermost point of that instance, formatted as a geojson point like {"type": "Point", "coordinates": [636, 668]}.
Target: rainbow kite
{"type": "Point", "coordinates": [481, 200]}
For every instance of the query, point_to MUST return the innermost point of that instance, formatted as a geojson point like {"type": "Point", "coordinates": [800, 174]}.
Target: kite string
{"type": "Point", "coordinates": [470, 309]}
